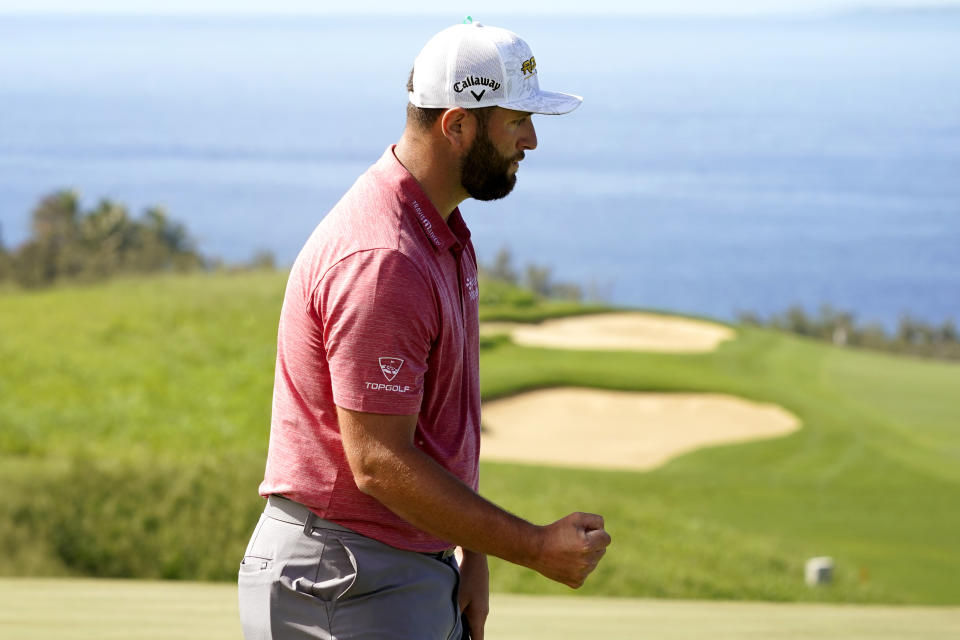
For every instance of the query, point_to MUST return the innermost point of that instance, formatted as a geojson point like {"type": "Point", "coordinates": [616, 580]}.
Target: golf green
{"type": "Point", "coordinates": [139, 610]}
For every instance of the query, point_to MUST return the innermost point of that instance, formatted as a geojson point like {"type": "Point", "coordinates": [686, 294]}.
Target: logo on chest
{"type": "Point", "coordinates": [473, 289]}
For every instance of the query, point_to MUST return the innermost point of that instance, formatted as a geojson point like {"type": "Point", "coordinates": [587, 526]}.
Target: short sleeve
{"type": "Point", "coordinates": [379, 316]}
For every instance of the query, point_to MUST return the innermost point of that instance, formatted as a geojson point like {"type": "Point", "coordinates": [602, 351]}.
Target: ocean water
{"type": "Point", "coordinates": [715, 166]}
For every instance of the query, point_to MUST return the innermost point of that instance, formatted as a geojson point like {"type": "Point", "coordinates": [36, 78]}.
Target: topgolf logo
{"type": "Point", "coordinates": [390, 367]}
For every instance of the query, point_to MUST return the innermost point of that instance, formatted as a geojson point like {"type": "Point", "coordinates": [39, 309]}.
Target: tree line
{"type": "Point", "coordinates": [69, 244]}
{"type": "Point", "coordinates": [911, 336]}
{"type": "Point", "coordinates": [505, 283]}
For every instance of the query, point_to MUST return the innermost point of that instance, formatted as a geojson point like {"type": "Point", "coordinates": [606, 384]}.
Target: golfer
{"type": "Point", "coordinates": [372, 471]}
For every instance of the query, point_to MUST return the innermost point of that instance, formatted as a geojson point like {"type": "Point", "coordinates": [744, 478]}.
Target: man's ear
{"type": "Point", "coordinates": [458, 126]}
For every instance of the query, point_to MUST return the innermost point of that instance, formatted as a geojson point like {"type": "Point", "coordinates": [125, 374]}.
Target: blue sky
{"type": "Point", "coordinates": [554, 7]}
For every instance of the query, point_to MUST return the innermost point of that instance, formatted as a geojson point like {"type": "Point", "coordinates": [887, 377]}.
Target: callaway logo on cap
{"type": "Point", "coordinates": [473, 65]}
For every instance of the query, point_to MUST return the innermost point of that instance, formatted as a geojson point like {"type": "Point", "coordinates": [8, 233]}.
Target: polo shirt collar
{"type": "Point", "coordinates": [458, 226]}
{"type": "Point", "coordinates": [442, 235]}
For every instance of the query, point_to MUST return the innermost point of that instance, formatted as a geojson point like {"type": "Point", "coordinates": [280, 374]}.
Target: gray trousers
{"type": "Point", "coordinates": [304, 577]}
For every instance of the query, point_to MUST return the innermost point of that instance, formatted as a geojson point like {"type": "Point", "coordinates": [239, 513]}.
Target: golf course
{"type": "Point", "coordinates": [134, 418]}
{"type": "Point", "coordinates": [143, 610]}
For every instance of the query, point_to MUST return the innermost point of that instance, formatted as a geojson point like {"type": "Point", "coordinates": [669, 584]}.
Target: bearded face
{"type": "Point", "coordinates": [484, 172]}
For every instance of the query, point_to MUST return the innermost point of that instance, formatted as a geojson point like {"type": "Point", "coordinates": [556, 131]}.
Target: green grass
{"type": "Point", "coordinates": [136, 610]}
{"type": "Point", "coordinates": [159, 365]}
{"type": "Point", "coordinates": [876, 489]}
{"type": "Point", "coordinates": [537, 313]}
{"type": "Point", "coordinates": [134, 419]}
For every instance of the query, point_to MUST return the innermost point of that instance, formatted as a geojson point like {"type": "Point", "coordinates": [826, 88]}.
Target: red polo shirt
{"type": "Point", "coordinates": [379, 315]}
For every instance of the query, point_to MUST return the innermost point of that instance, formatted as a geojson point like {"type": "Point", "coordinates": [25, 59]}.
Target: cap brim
{"type": "Point", "coordinates": [551, 103]}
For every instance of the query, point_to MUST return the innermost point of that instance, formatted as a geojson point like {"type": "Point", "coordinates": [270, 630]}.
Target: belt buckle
{"type": "Point", "coordinates": [439, 555]}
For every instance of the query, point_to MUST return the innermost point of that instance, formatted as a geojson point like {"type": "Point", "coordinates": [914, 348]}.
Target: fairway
{"type": "Point", "coordinates": [137, 610]}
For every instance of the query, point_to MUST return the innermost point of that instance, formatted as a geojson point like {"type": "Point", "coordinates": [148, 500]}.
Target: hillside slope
{"type": "Point", "coordinates": [134, 419]}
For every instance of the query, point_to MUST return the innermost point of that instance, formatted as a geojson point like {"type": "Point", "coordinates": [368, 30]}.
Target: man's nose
{"type": "Point", "coordinates": [528, 138]}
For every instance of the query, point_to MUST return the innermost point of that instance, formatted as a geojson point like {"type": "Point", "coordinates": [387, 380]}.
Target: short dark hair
{"type": "Point", "coordinates": [425, 117]}
{"type": "Point", "coordinates": [422, 117]}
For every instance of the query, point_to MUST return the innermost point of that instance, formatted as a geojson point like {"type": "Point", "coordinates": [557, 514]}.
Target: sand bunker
{"type": "Point", "coordinates": [621, 430]}
{"type": "Point", "coordinates": [629, 331]}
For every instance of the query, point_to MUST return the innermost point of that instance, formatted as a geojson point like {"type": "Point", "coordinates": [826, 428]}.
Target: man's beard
{"type": "Point", "coordinates": [484, 172]}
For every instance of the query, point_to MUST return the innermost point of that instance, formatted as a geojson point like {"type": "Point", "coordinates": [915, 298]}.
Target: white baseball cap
{"type": "Point", "coordinates": [473, 66]}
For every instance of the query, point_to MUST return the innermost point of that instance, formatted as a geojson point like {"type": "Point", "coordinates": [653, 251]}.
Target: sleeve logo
{"type": "Point", "coordinates": [390, 367]}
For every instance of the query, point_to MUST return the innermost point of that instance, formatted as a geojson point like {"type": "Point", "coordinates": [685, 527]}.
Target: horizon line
{"type": "Point", "coordinates": [772, 12]}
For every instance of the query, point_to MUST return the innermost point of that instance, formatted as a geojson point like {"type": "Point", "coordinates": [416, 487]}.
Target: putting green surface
{"type": "Point", "coordinates": [136, 610]}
